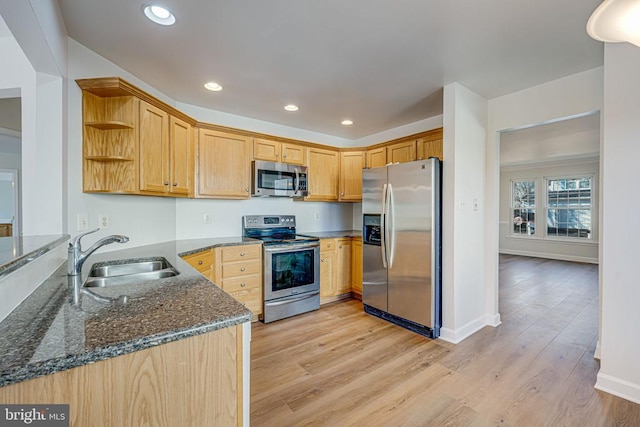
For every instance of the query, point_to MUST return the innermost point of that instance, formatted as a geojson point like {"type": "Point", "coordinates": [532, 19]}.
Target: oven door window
{"type": "Point", "coordinates": [275, 180]}
{"type": "Point", "coordinates": [292, 269]}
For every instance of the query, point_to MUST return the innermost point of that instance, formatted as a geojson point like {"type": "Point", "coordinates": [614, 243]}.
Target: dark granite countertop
{"type": "Point", "coordinates": [48, 332]}
{"type": "Point", "coordinates": [18, 251]}
{"type": "Point", "coordinates": [334, 234]}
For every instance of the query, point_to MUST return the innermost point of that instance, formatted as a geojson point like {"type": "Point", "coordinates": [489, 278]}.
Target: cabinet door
{"type": "Point", "coordinates": [356, 269]}
{"type": "Point", "coordinates": [224, 165]}
{"type": "Point", "coordinates": [429, 147]}
{"type": "Point", "coordinates": [264, 149]}
{"type": "Point", "coordinates": [377, 157]}
{"type": "Point", "coordinates": [327, 274]}
{"type": "Point", "coordinates": [323, 174]}
{"type": "Point", "coordinates": [154, 149]}
{"type": "Point", "coordinates": [343, 253]}
{"type": "Point", "coordinates": [181, 143]}
{"type": "Point", "coordinates": [293, 154]}
{"type": "Point", "coordinates": [351, 164]}
{"type": "Point", "coordinates": [402, 152]}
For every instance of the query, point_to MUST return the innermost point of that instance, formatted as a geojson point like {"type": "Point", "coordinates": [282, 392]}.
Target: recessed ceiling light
{"type": "Point", "coordinates": [159, 14]}
{"type": "Point", "coordinates": [291, 107]}
{"type": "Point", "coordinates": [213, 86]}
{"type": "Point", "coordinates": [347, 122]}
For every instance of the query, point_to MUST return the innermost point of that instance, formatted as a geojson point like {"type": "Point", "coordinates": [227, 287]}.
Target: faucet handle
{"type": "Point", "coordinates": [75, 241]}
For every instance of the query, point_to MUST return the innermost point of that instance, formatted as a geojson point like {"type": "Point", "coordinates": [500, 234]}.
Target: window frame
{"type": "Point", "coordinates": [592, 208]}
{"type": "Point", "coordinates": [535, 208]}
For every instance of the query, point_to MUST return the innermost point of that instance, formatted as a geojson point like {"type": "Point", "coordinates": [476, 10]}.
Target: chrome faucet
{"type": "Point", "coordinates": [77, 257]}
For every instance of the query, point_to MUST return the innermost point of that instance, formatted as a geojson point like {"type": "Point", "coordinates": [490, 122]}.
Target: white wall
{"type": "Point", "coordinates": [620, 342]}
{"type": "Point", "coordinates": [463, 245]}
{"type": "Point", "coordinates": [563, 98]}
{"type": "Point", "coordinates": [537, 246]}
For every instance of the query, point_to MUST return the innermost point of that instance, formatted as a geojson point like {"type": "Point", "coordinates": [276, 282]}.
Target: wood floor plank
{"type": "Point", "coordinates": [339, 366]}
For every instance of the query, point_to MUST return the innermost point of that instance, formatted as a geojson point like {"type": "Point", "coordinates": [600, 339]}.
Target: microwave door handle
{"type": "Point", "coordinates": [383, 227]}
{"type": "Point", "coordinates": [296, 185]}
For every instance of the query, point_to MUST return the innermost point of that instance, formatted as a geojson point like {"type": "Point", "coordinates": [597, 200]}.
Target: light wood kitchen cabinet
{"type": "Point", "coordinates": [195, 381]}
{"type": "Point", "coordinates": [351, 165]}
{"type": "Point", "coordinates": [276, 151]}
{"type": "Point", "coordinates": [224, 165]}
{"type": "Point", "coordinates": [335, 269]}
{"type": "Point", "coordinates": [238, 271]}
{"type": "Point", "coordinates": [324, 168]}
{"type": "Point", "coordinates": [165, 152]}
{"type": "Point", "coordinates": [109, 143]}
{"type": "Point", "coordinates": [401, 152]}
{"type": "Point", "coordinates": [6, 230]}
{"type": "Point", "coordinates": [203, 262]}
{"type": "Point", "coordinates": [356, 269]}
{"type": "Point", "coordinates": [377, 157]}
{"type": "Point", "coordinates": [430, 145]}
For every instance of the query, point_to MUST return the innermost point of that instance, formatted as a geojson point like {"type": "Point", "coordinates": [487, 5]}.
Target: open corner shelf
{"type": "Point", "coordinates": [110, 158]}
{"type": "Point", "coordinates": [109, 125]}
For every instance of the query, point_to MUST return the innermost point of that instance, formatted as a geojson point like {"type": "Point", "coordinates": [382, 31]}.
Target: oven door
{"type": "Point", "coordinates": [291, 269]}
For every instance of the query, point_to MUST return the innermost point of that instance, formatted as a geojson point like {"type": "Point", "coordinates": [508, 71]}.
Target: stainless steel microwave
{"type": "Point", "coordinates": [278, 179]}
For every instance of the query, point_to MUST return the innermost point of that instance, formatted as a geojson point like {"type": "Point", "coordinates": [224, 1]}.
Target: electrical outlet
{"type": "Point", "coordinates": [475, 204]}
{"type": "Point", "coordinates": [317, 215]}
{"type": "Point", "coordinates": [83, 222]}
{"type": "Point", "coordinates": [206, 218]}
{"type": "Point", "coordinates": [103, 220]}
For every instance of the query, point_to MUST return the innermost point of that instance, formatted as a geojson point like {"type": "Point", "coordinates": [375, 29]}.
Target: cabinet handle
{"type": "Point", "coordinates": [242, 269]}
{"type": "Point", "coordinates": [242, 285]}
{"type": "Point", "coordinates": [200, 262]}
{"type": "Point", "coordinates": [342, 194]}
{"type": "Point", "coordinates": [284, 157]}
{"type": "Point", "coordinates": [246, 189]}
{"type": "Point", "coordinates": [322, 260]}
{"type": "Point", "coordinates": [175, 184]}
{"type": "Point", "coordinates": [242, 253]}
{"type": "Point", "coordinates": [328, 245]}
{"type": "Point", "coordinates": [166, 183]}
{"type": "Point", "coordinates": [277, 155]}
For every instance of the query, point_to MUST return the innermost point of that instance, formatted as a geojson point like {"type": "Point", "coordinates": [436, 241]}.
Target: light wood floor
{"type": "Point", "coordinates": [340, 367]}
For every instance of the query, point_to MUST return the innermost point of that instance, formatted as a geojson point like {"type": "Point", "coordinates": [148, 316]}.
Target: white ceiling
{"type": "Point", "coordinates": [381, 63]}
{"type": "Point", "coordinates": [574, 139]}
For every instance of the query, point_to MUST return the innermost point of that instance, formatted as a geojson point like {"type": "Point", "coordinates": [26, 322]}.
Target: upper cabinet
{"type": "Point", "coordinates": [430, 145]}
{"type": "Point", "coordinates": [324, 168]}
{"type": "Point", "coordinates": [181, 150]}
{"type": "Point", "coordinates": [377, 157]}
{"type": "Point", "coordinates": [401, 152]}
{"type": "Point", "coordinates": [276, 151]}
{"type": "Point", "coordinates": [224, 165]}
{"type": "Point", "coordinates": [351, 165]}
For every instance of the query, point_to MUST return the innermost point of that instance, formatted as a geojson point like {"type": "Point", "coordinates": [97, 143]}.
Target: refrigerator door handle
{"type": "Point", "coordinates": [390, 229]}
{"type": "Point", "coordinates": [383, 242]}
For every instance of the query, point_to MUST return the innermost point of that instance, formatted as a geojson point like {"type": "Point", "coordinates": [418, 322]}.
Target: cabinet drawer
{"type": "Point", "coordinates": [242, 283]}
{"type": "Point", "coordinates": [243, 268]}
{"type": "Point", "coordinates": [201, 261]}
{"type": "Point", "coordinates": [250, 299]}
{"type": "Point", "coordinates": [327, 245]}
{"type": "Point", "coordinates": [239, 253]}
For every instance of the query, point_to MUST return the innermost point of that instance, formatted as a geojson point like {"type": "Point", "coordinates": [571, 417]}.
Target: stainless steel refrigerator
{"type": "Point", "coordinates": [401, 248]}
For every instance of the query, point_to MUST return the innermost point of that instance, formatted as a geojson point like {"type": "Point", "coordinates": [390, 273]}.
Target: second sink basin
{"type": "Point", "coordinates": [110, 270]}
{"type": "Point", "coordinates": [125, 273]}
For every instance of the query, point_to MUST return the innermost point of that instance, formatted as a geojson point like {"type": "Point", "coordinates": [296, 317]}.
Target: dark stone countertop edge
{"type": "Point", "coordinates": [333, 234]}
{"type": "Point", "coordinates": [60, 364]}
{"type": "Point", "coordinates": [25, 259]}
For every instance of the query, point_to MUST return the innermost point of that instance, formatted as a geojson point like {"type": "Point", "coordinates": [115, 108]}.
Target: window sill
{"type": "Point", "coordinates": [586, 242]}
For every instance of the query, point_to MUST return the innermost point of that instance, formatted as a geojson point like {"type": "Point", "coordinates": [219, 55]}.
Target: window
{"type": "Point", "coordinates": [569, 203]}
{"type": "Point", "coordinates": [523, 207]}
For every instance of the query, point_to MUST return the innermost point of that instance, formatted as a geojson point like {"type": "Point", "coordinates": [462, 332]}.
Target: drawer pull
{"type": "Point", "coordinates": [242, 285]}
{"type": "Point", "coordinates": [200, 262]}
{"type": "Point", "coordinates": [242, 254]}
{"type": "Point", "coordinates": [242, 269]}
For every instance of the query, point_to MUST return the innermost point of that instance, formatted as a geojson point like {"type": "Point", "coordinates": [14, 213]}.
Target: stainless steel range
{"type": "Point", "coordinates": [291, 265]}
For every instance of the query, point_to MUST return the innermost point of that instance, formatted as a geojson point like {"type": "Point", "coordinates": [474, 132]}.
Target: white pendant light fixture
{"type": "Point", "coordinates": [616, 21]}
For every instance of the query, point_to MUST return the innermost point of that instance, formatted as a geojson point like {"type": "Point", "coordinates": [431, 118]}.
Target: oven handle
{"type": "Point", "coordinates": [292, 247]}
{"type": "Point", "coordinates": [290, 300]}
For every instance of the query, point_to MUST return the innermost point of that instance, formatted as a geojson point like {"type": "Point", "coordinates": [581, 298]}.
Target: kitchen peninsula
{"type": "Point", "coordinates": [175, 353]}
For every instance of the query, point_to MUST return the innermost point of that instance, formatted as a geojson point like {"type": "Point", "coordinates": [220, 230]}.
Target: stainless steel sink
{"type": "Point", "coordinates": [126, 273]}
{"type": "Point", "coordinates": [128, 268]}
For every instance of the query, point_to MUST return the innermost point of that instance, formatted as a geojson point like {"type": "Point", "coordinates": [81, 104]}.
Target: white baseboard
{"type": "Point", "coordinates": [559, 257]}
{"type": "Point", "coordinates": [618, 387]}
{"type": "Point", "coordinates": [596, 354]}
{"type": "Point", "coordinates": [457, 335]}
{"type": "Point", "coordinates": [493, 319]}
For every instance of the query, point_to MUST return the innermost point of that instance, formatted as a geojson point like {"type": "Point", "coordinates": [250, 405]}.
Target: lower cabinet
{"type": "Point", "coordinates": [335, 269]}
{"type": "Point", "coordinates": [238, 271]}
{"type": "Point", "coordinates": [203, 262]}
{"type": "Point", "coordinates": [356, 269]}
